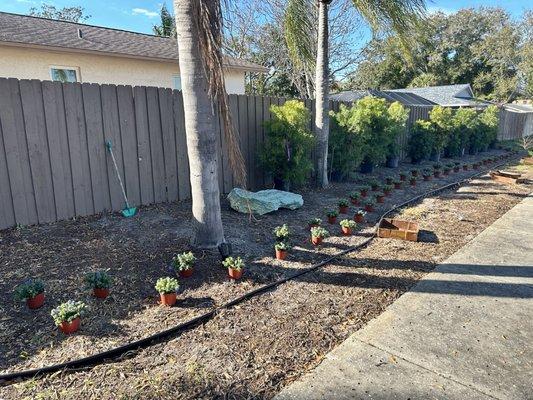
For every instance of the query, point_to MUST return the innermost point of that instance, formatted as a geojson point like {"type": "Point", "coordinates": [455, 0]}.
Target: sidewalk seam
{"type": "Point", "coordinates": [449, 378]}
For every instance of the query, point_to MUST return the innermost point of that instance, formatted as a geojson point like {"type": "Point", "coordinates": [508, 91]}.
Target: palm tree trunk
{"type": "Point", "coordinates": [322, 94]}
{"type": "Point", "coordinates": [201, 123]}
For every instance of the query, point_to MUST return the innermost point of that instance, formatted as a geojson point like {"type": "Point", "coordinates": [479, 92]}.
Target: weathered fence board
{"type": "Point", "coordinates": [54, 164]}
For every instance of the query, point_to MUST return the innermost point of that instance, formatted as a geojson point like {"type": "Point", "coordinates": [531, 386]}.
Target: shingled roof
{"type": "Point", "coordinates": [446, 95]}
{"type": "Point", "coordinates": [407, 99]}
{"type": "Point", "coordinates": [31, 31]}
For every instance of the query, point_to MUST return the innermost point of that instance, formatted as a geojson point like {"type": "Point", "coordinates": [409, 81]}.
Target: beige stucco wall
{"type": "Point", "coordinates": [29, 63]}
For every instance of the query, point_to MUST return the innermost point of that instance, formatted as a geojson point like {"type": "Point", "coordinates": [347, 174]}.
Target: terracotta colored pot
{"type": "Point", "coordinates": [234, 273]}
{"type": "Point", "coordinates": [413, 183]}
{"type": "Point", "coordinates": [186, 273]}
{"type": "Point", "coordinates": [359, 218]}
{"type": "Point", "coordinates": [100, 293]}
{"type": "Point", "coordinates": [70, 327]}
{"type": "Point", "coordinates": [427, 177]}
{"type": "Point", "coordinates": [436, 174]}
{"type": "Point", "coordinates": [397, 185]}
{"type": "Point", "coordinates": [281, 254]}
{"type": "Point", "coordinates": [332, 220]}
{"type": "Point", "coordinates": [346, 231]}
{"type": "Point", "coordinates": [343, 210]}
{"type": "Point", "coordinates": [465, 167]}
{"type": "Point", "coordinates": [364, 193]}
{"type": "Point", "coordinates": [414, 173]}
{"type": "Point", "coordinates": [380, 199]}
{"type": "Point", "coordinates": [386, 192]}
{"type": "Point", "coordinates": [369, 208]}
{"type": "Point", "coordinates": [35, 302]}
{"type": "Point", "coordinates": [316, 240]}
{"type": "Point", "coordinates": [403, 178]}
{"type": "Point", "coordinates": [355, 202]}
{"type": "Point", "coordinates": [168, 299]}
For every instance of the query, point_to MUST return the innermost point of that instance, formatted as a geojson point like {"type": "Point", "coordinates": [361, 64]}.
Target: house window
{"type": "Point", "coordinates": [176, 82]}
{"type": "Point", "coordinates": [64, 74]}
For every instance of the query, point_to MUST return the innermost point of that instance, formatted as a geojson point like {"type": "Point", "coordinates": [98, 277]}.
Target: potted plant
{"type": "Point", "coordinates": [343, 206]}
{"type": "Point", "coordinates": [374, 184]}
{"type": "Point", "coordinates": [465, 167]}
{"type": "Point", "coordinates": [389, 180]}
{"type": "Point", "coordinates": [282, 249]}
{"type": "Point", "coordinates": [397, 184]}
{"type": "Point", "coordinates": [456, 166]}
{"type": "Point", "coordinates": [369, 205]}
{"type": "Point", "coordinates": [318, 234]}
{"type": "Point", "coordinates": [282, 233]}
{"type": "Point", "coordinates": [359, 216]}
{"type": "Point", "coordinates": [314, 222]}
{"type": "Point", "coordinates": [99, 282]}
{"type": "Point", "coordinates": [446, 171]}
{"type": "Point", "coordinates": [412, 181]}
{"type": "Point", "coordinates": [414, 172]}
{"type": "Point", "coordinates": [235, 266]}
{"type": "Point", "coordinates": [387, 189]}
{"type": "Point", "coordinates": [67, 316]}
{"type": "Point", "coordinates": [347, 226]}
{"type": "Point", "coordinates": [475, 165]}
{"type": "Point", "coordinates": [426, 174]}
{"type": "Point", "coordinates": [364, 190]}
{"type": "Point", "coordinates": [32, 292]}
{"type": "Point", "coordinates": [403, 176]}
{"type": "Point", "coordinates": [167, 288]}
{"type": "Point", "coordinates": [354, 198]}
{"type": "Point", "coordinates": [184, 263]}
{"type": "Point", "coordinates": [332, 216]}
{"type": "Point", "coordinates": [380, 198]}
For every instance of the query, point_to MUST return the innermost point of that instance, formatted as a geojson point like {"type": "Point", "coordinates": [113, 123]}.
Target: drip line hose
{"type": "Point", "coordinates": [116, 352]}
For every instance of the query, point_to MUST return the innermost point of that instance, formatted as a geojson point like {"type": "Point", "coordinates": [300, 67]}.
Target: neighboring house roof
{"type": "Point", "coordinates": [23, 30]}
{"type": "Point", "coordinates": [446, 95]}
{"type": "Point", "coordinates": [520, 108]}
{"type": "Point", "coordinates": [407, 99]}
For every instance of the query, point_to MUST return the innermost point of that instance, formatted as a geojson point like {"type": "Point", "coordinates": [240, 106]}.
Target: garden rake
{"type": "Point", "coordinates": [127, 211]}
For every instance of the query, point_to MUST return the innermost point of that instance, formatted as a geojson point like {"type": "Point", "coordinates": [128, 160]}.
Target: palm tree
{"type": "Point", "coordinates": [398, 16]}
{"type": "Point", "coordinates": [198, 27]}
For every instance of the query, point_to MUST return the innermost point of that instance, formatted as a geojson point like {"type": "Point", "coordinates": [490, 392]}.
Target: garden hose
{"type": "Point", "coordinates": [115, 353]}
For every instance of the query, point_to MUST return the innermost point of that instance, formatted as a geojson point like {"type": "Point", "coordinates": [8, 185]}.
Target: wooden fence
{"type": "Point", "coordinates": [53, 160]}
{"type": "Point", "coordinates": [515, 125]}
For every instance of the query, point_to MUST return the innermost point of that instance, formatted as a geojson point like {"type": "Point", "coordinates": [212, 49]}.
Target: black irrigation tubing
{"type": "Point", "coordinates": [117, 352]}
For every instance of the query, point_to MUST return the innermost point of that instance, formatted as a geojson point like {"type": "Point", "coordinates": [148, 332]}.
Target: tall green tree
{"type": "Point", "coordinates": [167, 25]}
{"type": "Point", "coordinates": [70, 14]}
{"type": "Point", "coordinates": [399, 16]}
{"type": "Point", "coordinates": [199, 36]}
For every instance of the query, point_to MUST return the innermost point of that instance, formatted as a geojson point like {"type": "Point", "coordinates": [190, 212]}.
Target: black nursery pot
{"type": "Point", "coordinates": [367, 167]}
{"type": "Point", "coordinates": [392, 162]}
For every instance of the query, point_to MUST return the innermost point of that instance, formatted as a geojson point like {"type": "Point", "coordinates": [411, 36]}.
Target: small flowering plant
{"type": "Point", "coordinates": [426, 173]}
{"type": "Point", "coordinates": [360, 212]}
{"type": "Point", "coordinates": [282, 246]}
{"type": "Point", "coordinates": [167, 285]}
{"type": "Point", "coordinates": [343, 203]}
{"type": "Point", "coordinates": [184, 261]}
{"type": "Point", "coordinates": [282, 233]}
{"type": "Point", "coordinates": [319, 232]}
{"type": "Point", "coordinates": [387, 188]}
{"type": "Point", "coordinates": [233, 263]}
{"type": "Point", "coordinates": [315, 222]}
{"type": "Point", "coordinates": [332, 214]}
{"type": "Point", "coordinates": [354, 195]}
{"type": "Point", "coordinates": [364, 188]}
{"type": "Point", "coordinates": [68, 311]}
{"type": "Point", "coordinates": [437, 166]}
{"type": "Point", "coordinates": [29, 289]}
{"type": "Point", "coordinates": [369, 202]}
{"type": "Point", "coordinates": [97, 280]}
{"type": "Point", "coordinates": [348, 223]}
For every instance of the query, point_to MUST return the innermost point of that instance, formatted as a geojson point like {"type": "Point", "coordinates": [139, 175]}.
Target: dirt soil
{"type": "Point", "coordinates": [248, 351]}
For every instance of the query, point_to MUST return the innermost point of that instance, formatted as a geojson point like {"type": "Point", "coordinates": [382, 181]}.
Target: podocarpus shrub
{"type": "Point", "coordinates": [488, 123]}
{"type": "Point", "coordinates": [421, 141]}
{"type": "Point", "coordinates": [441, 119]}
{"type": "Point", "coordinates": [466, 133]}
{"type": "Point", "coordinates": [286, 153]}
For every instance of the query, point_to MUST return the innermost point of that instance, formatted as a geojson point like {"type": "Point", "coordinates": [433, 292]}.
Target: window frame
{"type": "Point", "coordinates": [66, 67]}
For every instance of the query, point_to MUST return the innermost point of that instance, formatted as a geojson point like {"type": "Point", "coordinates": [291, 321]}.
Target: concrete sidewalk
{"type": "Point", "coordinates": [463, 332]}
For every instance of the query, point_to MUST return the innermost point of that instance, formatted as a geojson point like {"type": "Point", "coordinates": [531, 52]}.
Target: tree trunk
{"type": "Point", "coordinates": [322, 95]}
{"type": "Point", "coordinates": [201, 123]}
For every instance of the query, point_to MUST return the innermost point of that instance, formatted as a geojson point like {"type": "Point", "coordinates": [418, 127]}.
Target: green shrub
{"type": "Point", "coordinates": [233, 263]}
{"type": "Point", "coordinates": [348, 223]}
{"type": "Point", "coordinates": [286, 153]}
{"type": "Point", "coordinates": [184, 261]}
{"type": "Point", "coordinates": [282, 246]}
{"type": "Point", "coordinates": [68, 312]}
{"type": "Point", "coordinates": [282, 232]}
{"type": "Point", "coordinates": [442, 123]}
{"type": "Point", "coordinates": [421, 141]}
{"type": "Point", "coordinates": [398, 116]}
{"type": "Point", "coordinates": [98, 280]}
{"type": "Point", "coordinates": [488, 122]}
{"type": "Point", "coordinates": [315, 221]}
{"type": "Point", "coordinates": [343, 203]}
{"type": "Point", "coordinates": [167, 285]}
{"type": "Point", "coordinates": [29, 289]}
{"type": "Point", "coordinates": [319, 232]}
{"type": "Point", "coordinates": [466, 132]}
{"type": "Point", "coordinates": [332, 214]}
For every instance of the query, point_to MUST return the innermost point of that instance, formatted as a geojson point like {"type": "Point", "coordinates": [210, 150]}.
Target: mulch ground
{"type": "Point", "coordinates": [249, 351]}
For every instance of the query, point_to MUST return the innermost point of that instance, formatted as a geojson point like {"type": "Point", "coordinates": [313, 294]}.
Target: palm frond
{"type": "Point", "coordinates": [209, 17]}
{"type": "Point", "coordinates": [300, 32]}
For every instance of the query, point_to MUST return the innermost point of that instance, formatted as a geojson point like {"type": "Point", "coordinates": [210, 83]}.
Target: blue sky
{"type": "Point", "coordinates": [140, 15]}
